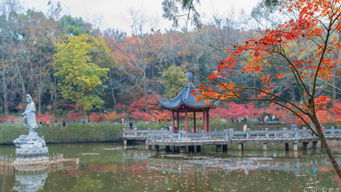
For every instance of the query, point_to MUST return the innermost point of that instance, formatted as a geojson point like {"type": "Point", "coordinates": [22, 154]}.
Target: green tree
{"type": "Point", "coordinates": [74, 26]}
{"type": "Point", "coordinates": [78, 71]}
{"type": "Point", "coordinates": [174, 78]}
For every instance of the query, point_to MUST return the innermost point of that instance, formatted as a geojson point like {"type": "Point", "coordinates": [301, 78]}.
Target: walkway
{"type": "Point", "coordinates": [222, 138]}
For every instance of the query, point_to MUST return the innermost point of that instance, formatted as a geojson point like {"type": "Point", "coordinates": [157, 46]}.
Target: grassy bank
{"type": "Point", "coordinates": [106, 131]}
{"type": "Point", "coordinates": [71, 133]}
{"type": "Point", "coordinates": [10, 132]}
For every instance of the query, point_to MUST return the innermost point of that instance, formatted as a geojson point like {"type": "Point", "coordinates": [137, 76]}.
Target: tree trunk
{"type": "Point", "coordinates": [334, 83]}
{"type": "Point", "coordinates": [112, 89]}
{"type": "Point", "coordinates": [145, 91]}
{"type": "Point", "coordinates": [39, 95]}
{"type": "Point", "coordinates": [39, 100]}
{"type": "Point", "coordinates": [5, 94]}
{"type": "Point", "coordinates": [254, 84]}
{"type": "Point", "coordinates": [54, 95]}
{"type": "Point", "coordinates": [325, 144]}
{"type": "Point", "coordinates": [22, 82]}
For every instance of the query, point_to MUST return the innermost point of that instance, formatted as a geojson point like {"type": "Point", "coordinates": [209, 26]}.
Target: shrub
{"type": "Point", "coordinates": [92, 132]}
{"type": "Point", "coordinates": [96, 117]}
{"type": "Point", "coordinates": [110, 116]}
{"type": "Point", "coordinates": [72, 115]}
{"type": "Point", "coordinates": [6, 118]}
{"type": "Point", "coordinates": [149, 125]}
{"type": "Point", "coordinates": [45, 118]}
{"type": "Point", "coordinates": [140, 115]}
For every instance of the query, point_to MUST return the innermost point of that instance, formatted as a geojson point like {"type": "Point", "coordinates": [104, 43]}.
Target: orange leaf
{"type": "Point", "coordinates": [280, 76]}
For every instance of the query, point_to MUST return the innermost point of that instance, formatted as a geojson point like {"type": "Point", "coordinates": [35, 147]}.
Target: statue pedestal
{"type": "Point", "coordinates": [30, 149]}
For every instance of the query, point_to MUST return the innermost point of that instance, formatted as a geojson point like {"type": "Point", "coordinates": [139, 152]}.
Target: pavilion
{"type": "Point", "coordinates": [186, 102]}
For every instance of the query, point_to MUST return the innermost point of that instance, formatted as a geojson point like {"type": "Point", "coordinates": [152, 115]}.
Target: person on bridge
{"type": "Point", "coordinates": [245, 129]}
{"type": "Point", "coordinates": [130, 125]}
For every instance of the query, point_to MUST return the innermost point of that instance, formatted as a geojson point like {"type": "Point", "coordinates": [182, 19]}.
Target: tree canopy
{"type": "Point", "coordinates": [174, 79]}
{"type": "Point", "coordinates": [304, 48]}
{"type": "Point", "coordinates": [136, 62]}
{"type": "Point", "coordinates": [78, 72]}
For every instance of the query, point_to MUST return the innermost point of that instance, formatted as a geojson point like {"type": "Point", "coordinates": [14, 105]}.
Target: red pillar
{"type": "Point", "coordinates": [194, 123]}
{"type": "Point", "coordinates": [208, 121]}
{"type": "Point", "coordinates": [173, 124]}
{"type": "Point", "coordinates": [177, 121]}
{"type": "Point", "coordinates": [186, 123]}
{"type": "Point", "coordinates": [204, 121]}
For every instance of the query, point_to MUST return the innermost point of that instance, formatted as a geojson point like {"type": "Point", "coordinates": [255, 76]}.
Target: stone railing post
{"type": "Point", "coordinates": [333, 131]}
{"type": "Point", "coordinates": [295, 134]}
{"type": "Point", "coordinates": [226, 135]}
{"type": "Point", "coordinates": [231, 133]}
{"type": "Point", "coordinates": [304, 132]}
{"type": "Point", "coordinates": [285, 132]}
{"type": "Point", "coordinates": [267, 133]}
{"type": "Point", "coordinates": [293, 127]}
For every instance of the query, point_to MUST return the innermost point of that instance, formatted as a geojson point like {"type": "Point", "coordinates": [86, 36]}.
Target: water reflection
{"type": "Point", "coordinates": [239, 171]}
{"type": "Point", "coordinates": [107, 167]}
{"type": "Point", "coordinates": [232, 164]}
{"type": "Point", "coordinates": [297, 163]}
{"type": "Point", "coordinates": [30, 180]}
{"type": "Point", "coordinates": [32, 177]}
{"type": "Point", "coordinates": [135, 154]}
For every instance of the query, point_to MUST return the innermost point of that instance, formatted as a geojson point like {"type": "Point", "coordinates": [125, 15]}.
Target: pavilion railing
{"type": "Point", "coordinates": [332, 132]}
{"type": "Point", "coordinates": [131, 133]}
{"type": "Point", "coordinates": [182, 136]}
{"type": "Point", "coordinates": [230, 134]}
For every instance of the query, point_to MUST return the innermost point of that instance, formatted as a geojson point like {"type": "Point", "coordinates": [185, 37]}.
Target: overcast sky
{"type": "Point", "coordinates": [117, 13]}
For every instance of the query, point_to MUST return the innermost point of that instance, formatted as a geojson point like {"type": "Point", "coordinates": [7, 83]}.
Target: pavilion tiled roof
{"type": "Point", "coordinates": [186, 99]}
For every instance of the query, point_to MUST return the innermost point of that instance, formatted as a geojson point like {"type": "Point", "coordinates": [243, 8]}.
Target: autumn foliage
{"type": "Point", "coordinates": [314, 23]}
{"type": "Point", "coordinates": [6, 118]}
{"type": "Point", "coordinates": [72, 115]}
{"type": "Point", "coordinates": [96, 117]}
{"type": "Point", "coordinates": [235, 111]}
{"type": "Point", "coordinates": [148, 109]}
{"type": "Point", "coordinates": [45, 118]}
{"type": "Point", "coordinates": [111, 116]}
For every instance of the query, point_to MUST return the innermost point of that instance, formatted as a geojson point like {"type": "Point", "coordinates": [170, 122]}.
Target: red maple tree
{"type": "Point", "coordinates": [148, 109]}
{"type": "Point", "coordinates": [315, 24]}
{"type": "Point", "coordinates": [235, 111]}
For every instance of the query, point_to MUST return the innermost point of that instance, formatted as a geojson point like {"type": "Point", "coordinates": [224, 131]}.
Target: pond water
{"type": "Point", "coordinates": [107, 167]}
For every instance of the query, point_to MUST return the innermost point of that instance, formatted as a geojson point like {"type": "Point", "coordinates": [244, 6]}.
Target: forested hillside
{"type": "Point", "coordinates": [67, 64]}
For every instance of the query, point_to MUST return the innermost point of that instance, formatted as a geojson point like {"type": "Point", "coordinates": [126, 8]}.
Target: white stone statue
{"type": "Point", "coordinates": [31, 145]}
{"type": "Point", "coordinates": [30, 114]}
